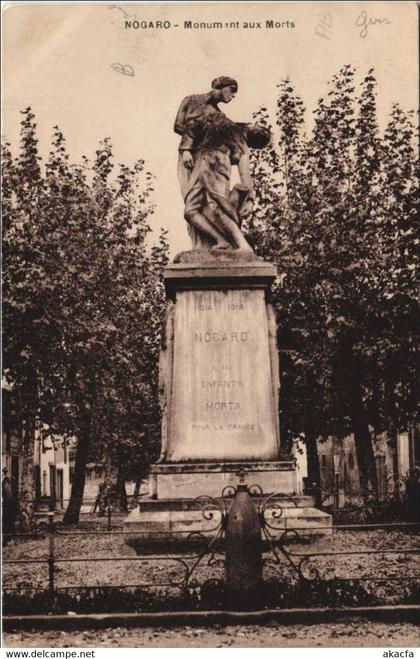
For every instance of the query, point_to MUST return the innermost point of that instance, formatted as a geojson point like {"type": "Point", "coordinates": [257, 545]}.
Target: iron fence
{"type": "Point", "coordinates": [290, 572]}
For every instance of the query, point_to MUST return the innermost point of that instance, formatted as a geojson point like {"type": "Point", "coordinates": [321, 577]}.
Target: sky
{"type": "Point", "coordinates": [69, 62]}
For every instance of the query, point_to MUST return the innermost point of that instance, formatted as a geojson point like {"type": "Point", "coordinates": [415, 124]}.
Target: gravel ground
{"type": "Point", "coordinates": [356, 633]}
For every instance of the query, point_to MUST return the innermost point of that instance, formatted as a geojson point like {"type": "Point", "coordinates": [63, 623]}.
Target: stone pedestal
{"type": "Point", "coordinates": [220, 381]}
{"type": "Point", "coordinates": [219, 386]}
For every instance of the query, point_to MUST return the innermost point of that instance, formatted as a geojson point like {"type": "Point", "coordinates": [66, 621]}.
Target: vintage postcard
{"type": "Point", "coordinates": [209, 312]}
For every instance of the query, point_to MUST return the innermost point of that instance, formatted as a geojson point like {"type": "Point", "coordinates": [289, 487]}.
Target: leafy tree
{"type": "Point", "coordinates": [344, 244]}
{"type": "Point", "coordinates": [21, 191]}
{"type": "Point", "coordinates": [83, 301]}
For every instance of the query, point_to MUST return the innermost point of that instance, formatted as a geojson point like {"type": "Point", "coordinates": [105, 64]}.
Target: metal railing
{"type": "Point", "coordinates": [180, 570]}
{"type": "Point", "coordinates": [188, 563]}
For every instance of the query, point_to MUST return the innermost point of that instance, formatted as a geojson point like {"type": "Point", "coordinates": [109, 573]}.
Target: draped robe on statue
{"type": "Point", "coordinates": [216, 144]}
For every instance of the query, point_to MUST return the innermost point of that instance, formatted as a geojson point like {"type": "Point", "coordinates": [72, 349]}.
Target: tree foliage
{"type": "Point", "coordinates": [336, 213]}
{"type": "Point", "coordinates": [83, 302]}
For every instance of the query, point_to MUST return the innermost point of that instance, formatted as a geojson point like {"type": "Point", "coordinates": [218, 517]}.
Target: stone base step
{"type": "Point", "coordinates": [174, 526]}
{"type": "Point", "coordinates": [188, 480]}
{"type": "Point", "coordinates": [155, 505]}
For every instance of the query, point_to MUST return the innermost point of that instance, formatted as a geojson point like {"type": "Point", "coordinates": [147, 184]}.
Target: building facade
{"type": "Point", "coordinates": [51, 462]}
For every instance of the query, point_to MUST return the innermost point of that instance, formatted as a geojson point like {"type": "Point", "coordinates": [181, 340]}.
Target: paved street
{"type": "Point", "coordinates": [356, 633]}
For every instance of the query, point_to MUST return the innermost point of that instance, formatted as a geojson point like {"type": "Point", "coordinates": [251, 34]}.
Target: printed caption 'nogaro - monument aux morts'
{"type": "Point", "coordinates": [268, 24]}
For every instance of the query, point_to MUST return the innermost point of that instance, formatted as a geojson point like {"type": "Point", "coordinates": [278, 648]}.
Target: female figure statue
{"type": "Point", "coordinates": [211, 143]}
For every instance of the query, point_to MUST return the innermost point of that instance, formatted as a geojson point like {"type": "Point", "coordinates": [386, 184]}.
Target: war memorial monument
{"type": "Point", "coordinates": [219, 369]}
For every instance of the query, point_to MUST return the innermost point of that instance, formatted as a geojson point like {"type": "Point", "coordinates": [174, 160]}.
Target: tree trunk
{"type": "Point", "coordinates": [27, 402]}
{"type": "Point", "coordinates": [363, 441]}
{"type": "Point", "coordinates": [395, 484]}
{"type": "Point", "coordinates": [137, 488]}
{"type": "Point", "coordinates": [72, 513]}
{"type": "Point", "coordinates": [365, 457]}
{"type": "Point", "coordinates": [314, 474]}
{"type": "Point", "coordinates": [27, 481]}
{"type": "Point", "coordinates": [107, 463]}
{"type": "Point", "coordinates": [121, 493]}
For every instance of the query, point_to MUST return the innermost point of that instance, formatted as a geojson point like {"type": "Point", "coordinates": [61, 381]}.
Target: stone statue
{"type": "Point", "coordinates": [210, 144]}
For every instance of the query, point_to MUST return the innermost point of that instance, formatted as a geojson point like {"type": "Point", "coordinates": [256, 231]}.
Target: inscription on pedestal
{"type": "Point", "coordinates": [222, 405]}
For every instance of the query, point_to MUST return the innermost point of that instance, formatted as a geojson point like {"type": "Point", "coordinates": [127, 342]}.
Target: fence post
{"type": "Point", "coordinates": [108, 510]}
{"type": "Point", "coordinates": [243, 564]}
{"type": "Point", "coordinates": [51, 556]}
